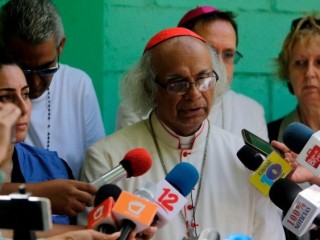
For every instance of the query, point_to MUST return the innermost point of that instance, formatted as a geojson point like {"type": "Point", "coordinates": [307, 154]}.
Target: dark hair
{"type": "Point", "coordinates": [212, 16]}
{"type": "Point", "coordinates": [6, 58]}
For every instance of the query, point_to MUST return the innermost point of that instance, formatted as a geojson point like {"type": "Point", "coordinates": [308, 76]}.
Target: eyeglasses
{"type": "Point", "coordinates": [231, 57]}
{"type": "Point", "coordinates": [306, 24]}
{"type": "Point", "coordinates": [180, 86]}
{"type": "Point", "coordinates": [43, 72]}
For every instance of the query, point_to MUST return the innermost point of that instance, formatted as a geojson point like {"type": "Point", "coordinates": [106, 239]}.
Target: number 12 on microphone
{"type": "Point", "coordinates": [170, 202]}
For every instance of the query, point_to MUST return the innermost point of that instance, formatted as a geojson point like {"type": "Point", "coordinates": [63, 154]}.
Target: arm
{"type": "Point", "coordinates": [85, 235]}
{"type": "Point", "coordinates": [67, 196]}
{"type": "Point", "coordinates": [57, 229]}
{"type": "Point", "coordinates": [90, 234]}
{"type": "Point", "coordinates": [9, 114]}
{"type": "Point", "coordinates": [266, 222]}
{"type": "Point", "coordinates": [298, 174]}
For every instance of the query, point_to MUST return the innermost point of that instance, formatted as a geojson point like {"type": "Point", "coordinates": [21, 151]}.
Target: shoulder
{"type": "Point", "coordinates": [124, 138]}
{"type": "Point", "coordinates": [221, 135]}
{"type": "Point", "coordinates": [274, 128]}
{"type": "Point", "coordinates": [66, 69]}
{"type": "Point", "coordinates": [34, 150]}
{"type": "Point", "coordinates": [241, 100]}
{"type": "Point", "coordinates": [72, 76]}
{"type": "Point", "coordinates": [42, 160]}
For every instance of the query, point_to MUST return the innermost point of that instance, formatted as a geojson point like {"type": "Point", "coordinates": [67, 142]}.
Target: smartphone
{"type": "Point", "coordinates": [257, 143]}
{"type": "Point", "coordinates": [32, 213]}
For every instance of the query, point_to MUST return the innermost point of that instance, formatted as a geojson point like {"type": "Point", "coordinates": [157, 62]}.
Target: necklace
{"type": "Point", "coordinates": [191, 227]}
{"type": "Point", "coordinates": [49, 115]}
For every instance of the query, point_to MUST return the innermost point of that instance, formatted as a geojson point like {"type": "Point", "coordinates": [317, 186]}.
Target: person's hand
{"type": "Point", "coordinates": [298, 173]}
{"type": "Point", "coordinates": [68, 197]}
{"type": "Point", "coordinates": [146, 234]}
{"type": "Point", "coordinates": [85, 235]}
{"type": "Point", "coordinates": [9, 114]}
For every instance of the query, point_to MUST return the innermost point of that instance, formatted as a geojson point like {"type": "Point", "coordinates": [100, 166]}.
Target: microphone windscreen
{"type": "Point", "coordinates": [296, 135]}
{"type": "Point", "coordinates": [183, 177]}
{"type": "Point", "coordinates": [106, 191]}
{"type": "Point", "coordinates": [250, 158]}
{"type": "Point", "coordinates": [283, 192]}
{"type": "Point", "coordinates": [136, 162]}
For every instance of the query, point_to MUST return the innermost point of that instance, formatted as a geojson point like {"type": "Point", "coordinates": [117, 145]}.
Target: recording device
{"type": "Point", "coordinates": [249, 157]}
{"type": "Point", "coordinates": [171, 191]}
{"type": "Point", "coordinates": [267, 171]}
{"type": "Point", "coordinates": [133, 213]}
{"type": "Point", "coordinates": [128, 225]}
{"type": "Point", "coordinates": [257, 143]}
{"type": "Point", "coordinates": [100, 217]}
{"type": "Point", "coordinates": [305, 142]}
{"type": "Point", "coordinates": [135, 163]}
{"type": "Point", "coordinates": [301, 207]}
{"type": "Point", "coordinates": [18, 208]}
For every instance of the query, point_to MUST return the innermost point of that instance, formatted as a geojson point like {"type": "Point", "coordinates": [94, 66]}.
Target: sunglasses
{"type": "Point", "coordinates": [46, 72]}
{"type": "Point", "coordinates": [305, 25]}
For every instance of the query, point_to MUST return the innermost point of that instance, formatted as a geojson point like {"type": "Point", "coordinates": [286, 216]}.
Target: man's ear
{"type": "Point", "coordinates": [61, 46]}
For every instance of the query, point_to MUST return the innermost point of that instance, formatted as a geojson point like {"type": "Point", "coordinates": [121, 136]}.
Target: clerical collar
{"type": "Point", "coordinates": [186, 142]}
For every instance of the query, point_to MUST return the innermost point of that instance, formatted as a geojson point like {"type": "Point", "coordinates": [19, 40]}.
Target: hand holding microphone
{"type": "Point", "coordinates": [306, 143]}
{"type": "Point", "coordinates": [101, 218]}
{"type": "Point", "coordinates": [267, 171]}
{"type": "Point", "coordinates": [169, 200]}
{"type": "Point", "coordinates": [134, 212]}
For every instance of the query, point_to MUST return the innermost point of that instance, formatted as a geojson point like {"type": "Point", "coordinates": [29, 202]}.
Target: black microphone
{"type": "Point", "coordinates": [301, 208]}
{"type": "Point", "coordinates": [135, 211]}
{"type": "Point", "coordinates": [101, 218]}
{"type": "Point", "coordinates": [135, 163]}
{"type": "Point", "coordinates": [250, 158]}
{"type": "Point", "coordinates": [267, 171]}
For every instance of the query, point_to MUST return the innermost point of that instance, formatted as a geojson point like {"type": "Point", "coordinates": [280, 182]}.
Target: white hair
{"type": "Point", "coordinates": [138, 86]}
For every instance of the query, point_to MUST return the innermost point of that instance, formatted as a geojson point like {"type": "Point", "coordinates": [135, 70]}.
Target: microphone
{"type": "Point", "coordinates": [238, 236]}
{"type": "Point", "coordinates": [135, 163]}
{"type": "Point", "coordinates": [250, 158]}
{"type": "Point", "coordinates": [301, 207]}
{"type": "Point", "coordinates": [267, 171]}
{"type": "Point", "coordinates": [305, 142]}
{"type": "Point", "coordinates": [171, 192]}
{"type": "Point", "coordinates": [134, 211]}
{"type": "Point", "coordinates": [100, 218]}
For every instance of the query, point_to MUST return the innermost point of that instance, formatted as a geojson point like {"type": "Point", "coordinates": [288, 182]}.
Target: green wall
{"type": "Point", "coordinates": [105, 37]}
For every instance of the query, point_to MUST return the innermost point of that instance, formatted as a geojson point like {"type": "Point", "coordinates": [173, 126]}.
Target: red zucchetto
{"type": "Point", "coordinates": [195, 13]}
{"type": "Point", "coordinates": [170, 33]}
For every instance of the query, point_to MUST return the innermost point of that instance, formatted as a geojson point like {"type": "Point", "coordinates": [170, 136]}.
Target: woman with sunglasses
{"type": "Point", "coordinates": [299, 66]}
